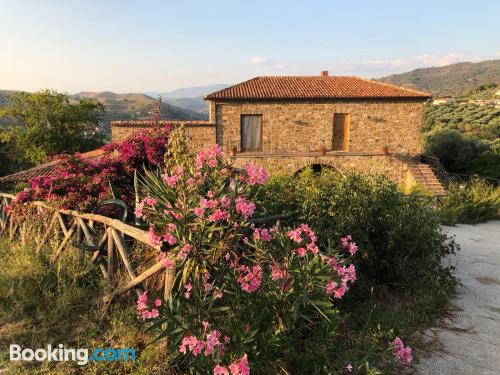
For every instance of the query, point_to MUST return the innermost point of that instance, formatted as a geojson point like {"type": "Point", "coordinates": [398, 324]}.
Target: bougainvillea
{"type": "Point", "coordinates": [78, 183]}
{"type": "Point", "coordinates": [244, 295]}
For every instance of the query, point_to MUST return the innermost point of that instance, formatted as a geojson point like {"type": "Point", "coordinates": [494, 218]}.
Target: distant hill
{"type": "Point", "coordinates": [450, 79]}
{"type": "Point", "coordinates": [136, 106]}
{"type": "Point", "coordinates": [197, 104]}
{"type": "Point", "coordinates": [133, 106]}
{"type": "Point", "coordinates": [189, 92]}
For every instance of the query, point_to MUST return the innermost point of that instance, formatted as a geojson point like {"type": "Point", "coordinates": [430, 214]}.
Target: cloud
{"type": "Point", "coordinates": [257, 60]}
{"type": "Point", "coordinates": [401, 64]}
{"type": "Point", "coordinates": [267, 64]}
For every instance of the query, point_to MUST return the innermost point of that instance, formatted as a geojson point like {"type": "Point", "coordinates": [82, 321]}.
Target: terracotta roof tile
{"type": "Point", "coordinates": [314, 87]}
{"type": "Point", "coordinates": [44, 169]}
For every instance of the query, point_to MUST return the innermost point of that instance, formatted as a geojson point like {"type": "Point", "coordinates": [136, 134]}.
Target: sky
{"type": "Point", "coordinates": [143, 46]}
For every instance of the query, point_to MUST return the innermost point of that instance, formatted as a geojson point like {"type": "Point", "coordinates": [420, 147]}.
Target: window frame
{"type": "Point", "coordinates": [261, 131]}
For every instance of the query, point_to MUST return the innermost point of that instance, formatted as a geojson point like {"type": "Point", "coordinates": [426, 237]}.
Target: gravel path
{"type": "Point", "coordinates": [469, 342]}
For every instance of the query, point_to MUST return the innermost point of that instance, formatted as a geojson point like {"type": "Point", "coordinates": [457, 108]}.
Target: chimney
{"type": "Point", "coordinates": [324, 73]}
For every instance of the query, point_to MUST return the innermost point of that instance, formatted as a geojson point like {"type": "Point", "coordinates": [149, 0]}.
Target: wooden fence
{"type": "Point", "coordinates": [103, 238]}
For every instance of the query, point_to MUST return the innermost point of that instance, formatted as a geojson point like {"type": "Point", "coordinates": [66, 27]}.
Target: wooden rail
{"type": "Point", "coordinates": [105, 244]}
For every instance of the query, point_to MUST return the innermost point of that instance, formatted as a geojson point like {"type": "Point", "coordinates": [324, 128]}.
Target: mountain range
{"type": "Point", "coordinates": [188, 104]}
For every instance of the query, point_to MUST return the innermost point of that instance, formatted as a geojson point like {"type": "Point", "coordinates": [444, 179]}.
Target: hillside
{"type": "Point", "coordinates": [136, 106]}
{"type": "Point", "coordinates": [190, 92]}
{"type": "Point", "coordinates": [450, 79]}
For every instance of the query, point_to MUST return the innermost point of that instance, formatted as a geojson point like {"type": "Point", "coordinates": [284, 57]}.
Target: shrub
{"type": "Point", "coordinates": [80, 184]}
{"type": "Point", "coordinates": [470, 202]}
{"type": "Point", "coordinates": [453, 149]}
{"type": "Point", "coordinates": [399, 236]}
{"type": "Point", "coordinates": [243, 295]}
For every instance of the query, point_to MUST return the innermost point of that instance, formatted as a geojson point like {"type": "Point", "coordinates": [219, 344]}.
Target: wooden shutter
{"type": "Point", "coordinates": [251, 133]}
{"type": "Point", "coordinates": [340, 132]}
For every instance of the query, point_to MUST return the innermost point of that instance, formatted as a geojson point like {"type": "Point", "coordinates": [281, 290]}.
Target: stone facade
{"type": "Point", "coordinates": [384, 136]}
{"type": "Point", "coordinates": [200, 134]}
{"type": "Point", "coordinates": [308, 126]}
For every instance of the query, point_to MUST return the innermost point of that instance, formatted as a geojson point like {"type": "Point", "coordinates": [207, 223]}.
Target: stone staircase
{"type": "Point", "coordinates": [425, 178]}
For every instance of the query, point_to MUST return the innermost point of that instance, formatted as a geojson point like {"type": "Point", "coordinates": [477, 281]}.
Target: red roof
{"type": "Point", "coordinates": [45, 169]}
{"type": "Point", "coordinates": [314, 87]}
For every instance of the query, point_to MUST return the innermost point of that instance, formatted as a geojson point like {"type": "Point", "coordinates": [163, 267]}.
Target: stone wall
{"type": "Point", "coordinates": [396, 168]}
{"type": "Point", "coordinates": [200, 134]}
{"type": "Point", "coordinates": [307, 126]}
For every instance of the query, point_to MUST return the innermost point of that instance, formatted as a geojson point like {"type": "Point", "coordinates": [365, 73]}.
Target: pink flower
{"type": "Point", "coordinates": [301, 251]}
{"type": "Point", "coordinates": [150, 201]}
{"type": "Point", "coordinates": [348, 368]}
{"type": "Point", "coordinates": [154, 314]}
{"type": "Point", "coordinates": [188, 287]}
{"type": "Point", "coordinates": [402, 353]}
{"type": "Point", "coordinates": [157, 302]}
{"type": "Point", "coordinates": [168, 263]}
{"type": "Point", "coordinates": [170, 180]}
{"type": "Point", "coordinates": [241, 367]}
{"type": "Point", "coordinates": [256, 175]}
{"type": "Point", "coordinates": [218, 215]}
{"type": "Point", "coordinates": [198, 211]}
{"type": "Point", "coordinates": [262, 234]}
{"type": "Point", "coordinates": [244, 207]}
{"type": "Point", "coordinates": [330, 287]}
{"type": "Point", "coordinates": [220, 370]}
{"type": "Point", "coordinates": [250, 279]}
{"type": "Point", "coordinates": [218, 294]}
{"type": "Point", "coordinates": [154, 238]}
{"type": "Point", "coordinates": [208, 287]}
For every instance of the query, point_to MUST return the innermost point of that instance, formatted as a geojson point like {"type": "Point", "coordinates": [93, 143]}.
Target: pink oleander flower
{"type": "Point", "coordinates": [218, 294]}
{"type": "Point", "coordinates": [154, 237]}
{"type": "Point", "coordinates": [250, 279]}
{"type": "Point", "coordinates": [220, 370]}
{"type": "Point", "coordinates": [403, 354]}
{"type": "Point", "coordinates": [262, 234]}
{"type": "Point", "coordinates": [187, 287]}
{"type": "Point", "coordinates": [198, 211]}
{"type": "Point", "coordinates": [171, 181]}
{"type": "Point", "coordinates": [241, 367]}
{"type": "Point", "coordinates": [348, 367]}
{"type": "Point", "coordinates": [301, 252]}
{"type": "Point", "coordinates": [157, 302]}
{"type": "Point", "coordinates": [184, 251]}
{"type": "Point", "coordinates": [245, 207]}
{"type": "Point", "coordinates": [150, 201]}
{"type": "Point", "coordinates": [256, 175]}
{"type": "Point", "coordinates": [218, 215]}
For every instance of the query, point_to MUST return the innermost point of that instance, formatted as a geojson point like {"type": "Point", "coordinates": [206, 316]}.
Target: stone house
{"type": "Point", "coordinates": [289, 123]}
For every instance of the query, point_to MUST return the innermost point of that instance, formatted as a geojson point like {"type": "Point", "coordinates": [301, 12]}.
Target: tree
{"type": "Point", "coordinates": [48, 123]}
{"type": "Point", "coordinates": [455, 150]}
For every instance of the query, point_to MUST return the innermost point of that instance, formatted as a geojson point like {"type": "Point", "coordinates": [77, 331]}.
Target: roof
{"type": "Point", "coordinates": [44, 169]}
{"type": "Point", "coordinates": [155, 123]}
{"type": "Point", "coordinates": [314, 87]}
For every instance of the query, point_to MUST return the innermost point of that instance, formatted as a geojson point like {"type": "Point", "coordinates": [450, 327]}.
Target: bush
{"type": "Point", "coordinates": [454, 150]}
{"type": "Point", "coordinates": [399, 236]}
{"type": "Point", "coordinates": [470, 202]}
{"type": "Point", "coordinates": [80, 184]}
{"type": "Point", "coordinates": [243, 295]}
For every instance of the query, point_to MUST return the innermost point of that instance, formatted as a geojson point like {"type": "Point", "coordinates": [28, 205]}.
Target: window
{"type": "Point", "coordinates": [251, 132]}
{"type": "Point", "coordinates": [340, 132]}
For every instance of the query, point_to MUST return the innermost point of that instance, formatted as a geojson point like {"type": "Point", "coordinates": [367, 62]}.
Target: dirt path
{"type": "Point", "coordinates": [469, 342]}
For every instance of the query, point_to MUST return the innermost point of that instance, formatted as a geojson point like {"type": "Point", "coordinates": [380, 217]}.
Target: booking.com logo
{"type": "Point", "coordinates": [62, 354]}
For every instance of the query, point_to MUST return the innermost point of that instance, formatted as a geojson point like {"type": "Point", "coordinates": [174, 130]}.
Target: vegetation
{"type": "Point", "coordinates": [45, 124]}
{"type": "Point", "coordinates": [465, 136]}
{"type": "Point", "coordinates": [334, 292]}
{"type": "Point", "coordinates": [81, 184]}
{"type": "Point", "coordinates": [470, 202]}
{"type": "Point", "coordinates": [450, 79]}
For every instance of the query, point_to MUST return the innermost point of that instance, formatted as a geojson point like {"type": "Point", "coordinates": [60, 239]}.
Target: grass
{"type": "Point", "coordinates": [44, 303]}
{"type": "Point", "coordinates": [470, 202]}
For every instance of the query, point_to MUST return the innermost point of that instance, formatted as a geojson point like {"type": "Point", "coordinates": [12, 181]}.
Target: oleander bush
{"type": "Point", "coordinates": [470, 202]}
{"type": "Point", "coordinates": [245, 296]}
{"type": "Point", "coordinates": [400, 239]}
